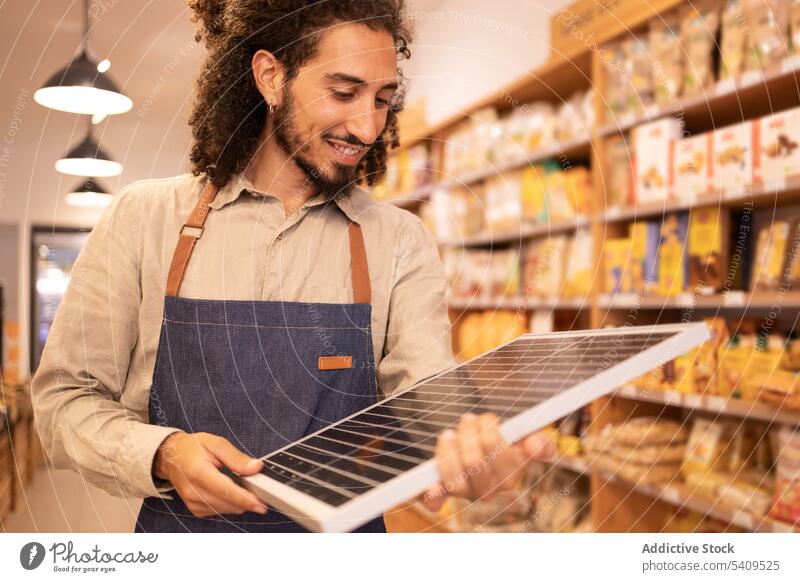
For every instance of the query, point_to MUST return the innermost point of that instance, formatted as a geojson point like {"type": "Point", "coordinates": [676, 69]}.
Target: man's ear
{"type": "Point", "coordinates": [269, 76]}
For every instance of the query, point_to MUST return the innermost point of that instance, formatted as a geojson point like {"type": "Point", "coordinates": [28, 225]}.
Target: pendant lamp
{"type": "Point", "coordinates": [80, 87]}
{"type": "Point", "coordinates": [87, 159]}
{"type": "Point", "coordinates": [89, 194]}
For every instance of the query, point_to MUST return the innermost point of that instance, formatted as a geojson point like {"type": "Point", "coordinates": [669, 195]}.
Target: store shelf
{"type": "Point", "coordinates": [516, 303]}
{"type": "Point", "coordinates": [525, 232]}
{"type": "Point", "coordinates": [575, 464]}
{"type": "Point", "coordinates": [738, 300]}
{"type": "Point", "coordinates": [680, 495]}
{"type": "Point", "coordinates": [758, 196]}
{"type": "Point", "coordinates": [713, 404]}
{"type": "Point", "coordinates": [570, 150]}
{"type": "Point", "coordinates": [752, 95]}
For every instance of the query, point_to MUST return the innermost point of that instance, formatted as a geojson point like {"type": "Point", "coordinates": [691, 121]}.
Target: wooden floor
{"type": "Point", "coordinates": [60, 501]}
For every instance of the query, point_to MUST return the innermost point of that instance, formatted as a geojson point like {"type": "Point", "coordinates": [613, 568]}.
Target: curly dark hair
{"type": "Point", "coordinates": [229, 112]}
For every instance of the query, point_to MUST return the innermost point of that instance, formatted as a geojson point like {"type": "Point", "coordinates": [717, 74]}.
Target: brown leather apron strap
{"type": "Point", "coordinates": [359, 267]}
{"type": "Point", "coordinates": [191, 231]}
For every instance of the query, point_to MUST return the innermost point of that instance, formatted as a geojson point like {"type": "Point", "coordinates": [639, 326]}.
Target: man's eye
{"type": "Point", "coordinates": [342, 96]}
{"type": "Point", "coordinates": [382, 102]}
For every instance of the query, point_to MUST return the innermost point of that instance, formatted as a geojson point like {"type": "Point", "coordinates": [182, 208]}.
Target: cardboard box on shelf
{"type": "Point", "coordinates": [778, 151]}
{"type": "Point", "coordinates": [652, 143]}
{"type": "Point", "coordinates": [692, 167]}
{"type": "Point", "coordinates": [734, 158]}
{"type": "Point", "coordinates": [645, 238]}
{"type": "Point", "coordinates": [673, 271]}
{"type": "Point", "coordinates": [708, 252]}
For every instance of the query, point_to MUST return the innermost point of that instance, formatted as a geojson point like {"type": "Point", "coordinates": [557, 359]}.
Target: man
{"type": "Point", "coordinates": [292, 299]}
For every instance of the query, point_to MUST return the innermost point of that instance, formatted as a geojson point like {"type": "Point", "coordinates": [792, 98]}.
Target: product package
{"type": "Point", "coordinates": [617, 80]}
{"type": "Point", "coordinates": [503, 197]}
{"type": "Point", "coordinates": [692, 167]}
{"type": "Point", "coordinates": [543, 272]}
{"type": "Point", "coordinates": [652, 143]}
{"type": "Point", "coordinates": [771, 246]}
{"type": "Point", "coordinates": [699, 26]}
{"type": "Point", "coordinates": [645, 237]}
{"type": "Point", "coordinates": [534, 196]}
{"type": "Point", "coordinates": [619, 173]}
{"type": "Point", "coordinates": [779, 154]}
{"type": "Point", "coordinates": [665, 49]}
{"type": "Point", "coordinates": [708, 234]}
{"type": "Point", "coordinates": [673, 268]}
{"type": "Point", "coordinates": [616, 255]}
{"type": "Point", "coordinates": [733, 46]}
{"type": "Point", "coordinates": [768, 39]}
{"type": "Point", "coordinates": [786, 503]}
{"type": "Point", "coordinates": [580, 264]}
{"type": "Point", "coordinates": [732, 358]}
{"type": "Point", "coordinates": [794, 26]}
{"type": "Point", "coordinates": [733, 155]}
{"type": "Point", "coordinates": [639, 69]}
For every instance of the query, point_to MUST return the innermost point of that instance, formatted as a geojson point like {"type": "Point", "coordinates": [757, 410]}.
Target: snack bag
{"type": "Point", "coordinates": [699, 25]}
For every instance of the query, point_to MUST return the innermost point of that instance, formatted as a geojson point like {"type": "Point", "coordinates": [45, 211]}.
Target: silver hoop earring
{"type": "Point", "coordinates": [270, 108]}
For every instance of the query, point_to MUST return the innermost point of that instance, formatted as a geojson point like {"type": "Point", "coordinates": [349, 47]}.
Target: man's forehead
{"type": "Point", "coordinates": [354, 52]}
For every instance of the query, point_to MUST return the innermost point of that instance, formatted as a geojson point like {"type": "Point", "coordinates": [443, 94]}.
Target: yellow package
{"type": "Point", "coordinates": [534, 198]}
{"type": "Point", "coordinates": [703, 454]}
{"type": "Point", "coordinates": [672, 263]}
{"type": "Point", "coordinates": [578, 189]}
{"type": "Point", "coordinates": [616, 254]}
{"type": "Point", "coordinates": [705, 368]}
{"type": "Point", "coordinates": [770, 256]}
{"type": "Point", "coordinates": [765, 361]}
{"type": "Point", "coordinates": [684, 372]}
{"type": "Point", "coordinates": [733, 358]}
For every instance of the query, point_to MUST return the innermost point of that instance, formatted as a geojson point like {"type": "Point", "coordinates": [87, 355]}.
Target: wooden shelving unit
{"type": "Point", "coordinates": [618, 505]}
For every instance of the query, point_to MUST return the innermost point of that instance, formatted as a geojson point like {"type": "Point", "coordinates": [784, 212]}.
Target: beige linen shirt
{"type": "Point", "coordinates": [92, 387]}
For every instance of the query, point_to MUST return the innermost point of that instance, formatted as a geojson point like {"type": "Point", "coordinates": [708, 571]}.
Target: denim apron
{"type": "Point", "coordinates": [262, 374]}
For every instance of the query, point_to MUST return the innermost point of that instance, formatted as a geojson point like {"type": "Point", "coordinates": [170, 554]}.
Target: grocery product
{"type": "Point", "coordinates": [652, 143]}
{"type": "Point", "coordinates": [645, 237]}
{"type": "Point", "coordinates": [673, 272]}
{"type": "Point", "coordinates": [580, 265]}
{"type": "Point", "coordinates": [779, 154]}
{"type": "Point", "coordinates": [616, 254]}
{"type": "Point", "coordinates": [770, 256]}
{"type": "Point", "coordinates": [733, 357]}
{"type": "Point", "coordinates": [503, 198]}
{"type": "Point", "coordinates": [692, 167]}
{"type": "Point", "coordinates": [733, 158]}
{"type": "Point", "coordinates": [768, 39]}
{"type": "Point", "coordinates": [543, 272]}
{"type": "Point", "coordinates": [639, 72]}
{"type": "Point", "coordinates": [794, 25]}
{"type": "Point", "coordinates": [734, 44]}
{"type": "Point", "coordinates": [617, 83]}
{"type": "Point", "coordinates": [786, 503]}
{"type": "Point", "coordinates": [699, 26]}
{"type": "Point", "coordinates": [534, 196]}
{"type": "Point", "coordinates": [707, 249]}
{"type": "Point", "coordinates": [641, 450]}
{"type": "Point", "coordinates": [667, 57]}
{"type": "Point", "coordinates": [619, 173]}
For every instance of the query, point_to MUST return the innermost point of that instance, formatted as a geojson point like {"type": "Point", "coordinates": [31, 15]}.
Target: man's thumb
{"type": "Point", "coordinates": [233, 458]}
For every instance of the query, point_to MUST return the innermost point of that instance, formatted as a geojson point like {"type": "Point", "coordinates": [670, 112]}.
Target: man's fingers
{"type": "Point", "coordinates": [205, 504]}
{"type": "Point", "coordinates": [223, 487]}
{"type": "Point", "coordinates": [434, 498]}
{"type": "Point", "coordinates": [478, 471]}
{"type": "Point", "coordinates": [449, 461]}
{"type": "Point", "coordinates": [232, 457]}
{"type": "Point", "coordinates": [506, 460]}
{"type": "Point", "coordinates": [539, 446]}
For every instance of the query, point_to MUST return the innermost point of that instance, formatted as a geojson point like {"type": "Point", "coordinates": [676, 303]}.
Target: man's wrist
{"type": "Point", "coordinates": [162, 458]}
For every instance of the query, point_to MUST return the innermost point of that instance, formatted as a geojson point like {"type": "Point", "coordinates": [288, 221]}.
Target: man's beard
{"type": "Point", "coordinates": [338, 186]}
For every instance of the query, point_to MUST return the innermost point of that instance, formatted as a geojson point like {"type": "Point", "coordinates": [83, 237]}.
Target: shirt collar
{"type": "Point", "coordinates": [353, 206]}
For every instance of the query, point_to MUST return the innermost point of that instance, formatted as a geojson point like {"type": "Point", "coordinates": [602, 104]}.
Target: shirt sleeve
{"type": "Point", "coordinates": [418, 337]}
{"type": "Point", "coordinates": [78, 386]}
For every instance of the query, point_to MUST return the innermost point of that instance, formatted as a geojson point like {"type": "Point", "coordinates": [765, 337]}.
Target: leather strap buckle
{"type": "Point", "coordinates": [197, 231]}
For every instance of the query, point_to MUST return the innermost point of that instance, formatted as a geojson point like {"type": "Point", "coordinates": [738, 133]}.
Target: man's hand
{"type": "Point", "coordinates": [476, 462]}
{"type": "Point", "coordinates": [191, 463]}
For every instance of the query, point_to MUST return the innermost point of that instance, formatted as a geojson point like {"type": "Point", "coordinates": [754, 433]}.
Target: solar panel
{"type": "Point", "coordinates": [351, 471]}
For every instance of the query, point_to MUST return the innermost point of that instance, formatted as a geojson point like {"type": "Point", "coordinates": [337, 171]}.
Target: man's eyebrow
{"type": "Point", "coordinates": [345, 78]}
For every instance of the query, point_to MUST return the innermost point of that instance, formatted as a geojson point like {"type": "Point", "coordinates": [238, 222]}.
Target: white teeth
{"type": "Point", "coordinates": [345, 150]}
